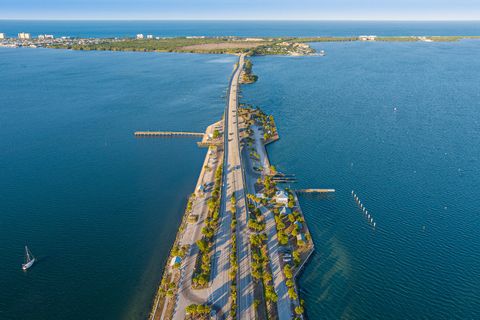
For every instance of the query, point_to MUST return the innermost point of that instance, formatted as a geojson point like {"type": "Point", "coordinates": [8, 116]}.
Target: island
{"type": "Point", "coordinates": [294, 46]}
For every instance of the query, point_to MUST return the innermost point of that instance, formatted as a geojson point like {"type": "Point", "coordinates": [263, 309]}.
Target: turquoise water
{"type": "Point", "coordinates": [416, 169]}
{"type": "Point", "coordinates": [105, 29]}
{"type": "Point", "coordinates": [98, 207]}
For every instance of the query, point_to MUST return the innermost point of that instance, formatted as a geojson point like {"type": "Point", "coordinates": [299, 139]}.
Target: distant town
{"type": "Point", "coordinates": [25, 39]}
{"type": "Point", "coordinates": [201, 44]}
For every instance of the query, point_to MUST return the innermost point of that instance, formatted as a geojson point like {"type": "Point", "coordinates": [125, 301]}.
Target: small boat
{"type": "Point", "coordinates": [322, 53]}
{"type": "Point", "coordinates": [29, 259]}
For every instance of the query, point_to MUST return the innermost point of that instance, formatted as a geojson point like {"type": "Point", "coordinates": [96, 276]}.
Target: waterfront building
{"type": "Point", "coordinates": [425, 39]}
{"type": "Point", "coordinates": [24, 36]}
{"type": "Point", "coordinates": [45, 36]}
{"type": "Point", "coordinates": [281, 197]}
{"type": "Point", "coordinates": [3, 35]}
{"type": "Point", "coordinates": [139, 36]}
{"type": "Point", "coordinates": [367, 38]}
{"type": "Point", "coordinates": [149, 36]}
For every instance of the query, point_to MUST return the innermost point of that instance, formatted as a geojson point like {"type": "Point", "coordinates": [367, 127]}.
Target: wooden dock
{"type": "Point", "coordinates": [167, 133]}
{"type": "Point", "coordinates": [315, 190]}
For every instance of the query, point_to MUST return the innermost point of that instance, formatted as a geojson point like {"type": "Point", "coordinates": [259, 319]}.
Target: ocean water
{"type": "Point", "coordinates": [416, 169]}
{"type": "Point", "coordinates": [98, 207]}
{"type": "Point", "coordinates": [109, 29]}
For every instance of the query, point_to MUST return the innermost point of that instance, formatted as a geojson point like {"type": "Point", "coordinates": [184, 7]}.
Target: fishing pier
{"type": "Point", "coordinates": [211, 137]}
{"type": "Point", "coordinates": [167, 133]}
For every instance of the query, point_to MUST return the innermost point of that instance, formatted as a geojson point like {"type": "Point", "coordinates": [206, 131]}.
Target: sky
{"type": "Point", "coordinates": [242, 10]}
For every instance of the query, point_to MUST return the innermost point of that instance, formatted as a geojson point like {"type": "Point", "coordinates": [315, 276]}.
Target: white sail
{"type": "Point", "coordinates": [29, 259]}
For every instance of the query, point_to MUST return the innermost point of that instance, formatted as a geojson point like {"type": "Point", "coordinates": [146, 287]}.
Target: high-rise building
{"type": "Point", "coordinates": [45, 36]}
{"type": "Point", "coordinates": [24, 36]}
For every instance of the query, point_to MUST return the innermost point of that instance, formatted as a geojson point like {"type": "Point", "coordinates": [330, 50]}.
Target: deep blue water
{"type": "Point", "coordinates": [98, 207]}
{"type": "Point", "coordinates": [106, 29]}
{"type": "Point", "coordinates": [416, 169]}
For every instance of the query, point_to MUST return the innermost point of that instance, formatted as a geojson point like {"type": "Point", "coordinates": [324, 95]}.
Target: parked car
{"type": "Point", "coordinates": [213, 315]}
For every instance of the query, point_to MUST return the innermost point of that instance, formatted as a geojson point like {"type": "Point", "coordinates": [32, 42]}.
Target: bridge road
{"type": "Point", "coordinates": [235, 179]}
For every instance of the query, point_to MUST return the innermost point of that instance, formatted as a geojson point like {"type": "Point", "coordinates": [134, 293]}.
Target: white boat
{"type": "Point", "coordinates": [29, 259]}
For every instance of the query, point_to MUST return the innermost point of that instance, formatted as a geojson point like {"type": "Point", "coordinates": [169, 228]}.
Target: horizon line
{"type": "Point", "coordinates": [233, 20]}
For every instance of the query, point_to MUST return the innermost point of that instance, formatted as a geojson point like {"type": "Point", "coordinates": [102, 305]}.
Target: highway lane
{"type": "Point", "coordinates": [219, 296]}
{"type": "Point", "coordinates": [236, 179]}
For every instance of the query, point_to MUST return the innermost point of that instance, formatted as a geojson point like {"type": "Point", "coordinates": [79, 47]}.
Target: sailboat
{"type": "Point", "coordinates": [29, 259]}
